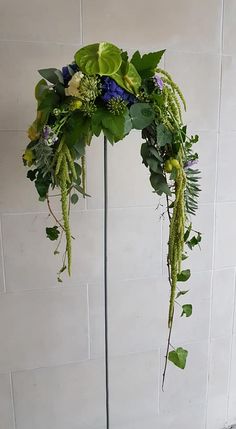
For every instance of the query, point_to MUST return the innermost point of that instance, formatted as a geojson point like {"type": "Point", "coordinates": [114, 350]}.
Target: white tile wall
{"type": "Point", "coordinates": [70, 396]}
{"type": "Point", "coordinates": [134, 243]}
{"type": "Point", "coordinates": [51, 336]}
{"type": "Point", "coordinates": [6, 408]}
{"type": "Point", "coordinates": [43, 328]}
{"type": "Point", "coordinates": [154, 25]}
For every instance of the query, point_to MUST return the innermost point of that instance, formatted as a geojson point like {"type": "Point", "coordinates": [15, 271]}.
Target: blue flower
{"type": "Point", "coordinates": [112, 90]}
{"type": "Point", "coordinates": [66, 72]}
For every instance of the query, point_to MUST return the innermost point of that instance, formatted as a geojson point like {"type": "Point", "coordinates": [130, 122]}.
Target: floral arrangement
{"type": "Point", "coordinates": [103, 91]}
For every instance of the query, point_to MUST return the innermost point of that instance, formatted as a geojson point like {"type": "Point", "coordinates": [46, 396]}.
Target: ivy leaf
{"type": "Point", "coordinates": [178, 357]}
{"type": "Point", "coordinates": [164, 136]}
{"type": "Point", "coordinates": [100, 58]}
{"type": "Point", "coordinates": [195, 240]}
{"type": "Point", "coordinates": [159, 183]}
{"type": "Point", "coordinates": [187, 232]}
{"type": "Point", "coordinates": [187, 310]}
{"type": "Point", "coordinates": [74, 198]}
{"type": "Point", "coordinates": [42, 184]}
{"type": "Point", "coordinates": [146, 64]}
{"type": "Point", "coordinates": [184, 276]}
{"type": "Point", "coordinates": [181, 292]}
{"type": "Point", "coordinates": [142, 115]}
{"type": "Point", "coordinates": [53, 233]}
{"type": "Point", "coordinates": [154, 165]}
{"type": "Point", "coordinates": [31, 174]}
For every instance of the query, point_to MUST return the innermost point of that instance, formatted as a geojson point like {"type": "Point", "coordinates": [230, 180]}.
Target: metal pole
{"type": "Point", "coordinates": [105, 289]}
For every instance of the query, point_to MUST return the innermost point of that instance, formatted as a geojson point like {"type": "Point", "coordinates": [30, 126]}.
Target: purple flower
{"type": "Point", "coordinates": [48, 135]}
{"type": "Point", "coordinates": [190, 163]}
{"type": "Point", "coordinates": [112, 90]}
{"type": "Point", "coordinates": [158, 82]}
{"type": "Point", "coordinates": [67, 72]}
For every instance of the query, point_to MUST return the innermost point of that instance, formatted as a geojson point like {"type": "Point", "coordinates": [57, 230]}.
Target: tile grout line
{"type": "Point", "coordinates": [81, 23]}
{"type": "Point", "coordinates": [2, 258]}
{"type": "Point", "coordinates": [231, 351]}
{"type": "Point", "coordinates": [88, 321]}
{"type": "Point", "coordinates": [214, 211]}
{"type": "Point", "coordinates": [13, 401]}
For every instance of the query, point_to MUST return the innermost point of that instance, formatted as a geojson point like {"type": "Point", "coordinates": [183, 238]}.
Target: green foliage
{"type": "Point", "coordinates": [141, 115]}
{"type": "Point", "coordinates": [178, 357]}
{"type": "Point", "coordinates": [181, 292]}
{"type": "Point", "coordinates": [53, 233]}
{"type": "Point", "coordinates": [184, 276]}
{"type": "Point", "coordinates": [52, 75]}
{"type": "Point", "coordinates": [74, 198]}
{"type": "Point", "coordinates": [187, 310]}
{"type": "Point", "coordinates": [113, 126]}
{"type": "Point", "coordinates": [147, 64]}
{"type": "Point", "coordinates": [42, 184]}
{"type": "Point", "coordinates": [164, 136]}
{"type": "Point", "coordinates": [100, 58]}
{"type": "Point", "coordinates": [128, 78]}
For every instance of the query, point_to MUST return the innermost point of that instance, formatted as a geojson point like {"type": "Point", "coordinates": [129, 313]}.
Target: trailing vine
{"type": "Point", "coordinates": [105, 91]}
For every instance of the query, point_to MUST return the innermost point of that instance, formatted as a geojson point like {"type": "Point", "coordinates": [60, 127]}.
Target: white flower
{"type": "Point", "coordinates": [73, 85]}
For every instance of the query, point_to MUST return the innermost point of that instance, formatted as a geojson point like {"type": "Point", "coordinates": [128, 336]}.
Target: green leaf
{"type": "Point", "coordinates": [81, 191]}
{"type": "Point", "coordinates": [195, 240]}
{"type": "Point", "coordinates": [42, 184]}
{"type": "Point", "coordinates": [159, 183]}
{"type": "Point", "coordinates": [128, 123]}
{"type": "Point", "coordinates": [178, 357]}
{"type": "Point", "coordinates": [146, 64]}
{"type": "Point", "coordinates": [164, 136]}
{"type": "Point", "coordinates": [113, 126]}
{"type": "Point", "coordinates": [74, 198]}
{"type": "Point", "coordinates": [181, 292]}
{"type": "Point", "coordinates": [53, 233]}
{"type": "Point", "coordinates": [184, 276]}
{"type": "Point", "coordinates": [142, 115]}
{"type": "Point", "coordinates": [31, 174]}
{"type": "Point", "coordinates": [187, 310]}
{"type": "Point", "coordinates": [187, 232]}
{"type": "Point", "coordinates": [52, 75]}
{"type": "Point", "coordinates": [129, 80]}
{"type": "Point", "coordinates": [100, 58]}
{"type": "Point", "coordinates": [76, 131]}
{"type": "Point", "coordinates": [154, 165]}
{"type": "Point", "coordinates": [40, 88]}
{"type": "Point", "coordinates": [49, 100]}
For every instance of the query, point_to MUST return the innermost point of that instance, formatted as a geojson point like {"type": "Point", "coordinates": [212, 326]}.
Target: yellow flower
{"type": "Point", "coordinates": [73, 85]}
{"type": "Point", "coordinates": [74, 105]}
{"type": "Point", "coordinates": [28, 157]}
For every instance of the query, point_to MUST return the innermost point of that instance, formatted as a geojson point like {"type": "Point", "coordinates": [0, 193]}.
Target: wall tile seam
{"type": "Point", "coordinates": [231, 351]}
{"type": "Point", "coordinates": [133, 48]}
{"type": "Point", "coordinates": [12, 401]}
{"type": "Point", "coordinates": [81, 22]}
{"type": "Point", "coordinates": [2, 258]}
{"type": "Point", "coordinates": [77, 45]}
{"type": "Point", "coordinates": [56, 289]}
{"type": "Point", "coordinates": [221, 30]}
{"type": "Point", "coordinates": [97, 210]}
{"type": "Point", "coordinates": [88, 321]}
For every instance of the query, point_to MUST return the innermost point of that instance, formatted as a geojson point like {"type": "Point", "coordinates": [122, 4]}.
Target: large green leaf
{"type": "Point", "coordinates": [100, 58]}
{"type": "Point", "coordinates": [164, 136]}
{"type": "Point", "coordinates": [142, 115]}
{"type": "Point", "coordinates": [128, 78]}
{"type": "Point", "coordinates": [178, 357]}
{"type": "Point", "coordinates": [159, 183]}
{"type": "Point", "coordinates": [146, 64]}
{"type": "Point", "coordinates": [52, 75]}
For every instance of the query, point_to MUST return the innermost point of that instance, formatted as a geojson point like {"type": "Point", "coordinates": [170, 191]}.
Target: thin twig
{"type": "Point", "coordinates": [53, 215]}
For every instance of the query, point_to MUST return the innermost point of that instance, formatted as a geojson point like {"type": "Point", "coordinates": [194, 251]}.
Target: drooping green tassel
{"type": "Point", "coordinates": [65, 214]}
{"type": "Point", "coordinates": [83, 165]}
